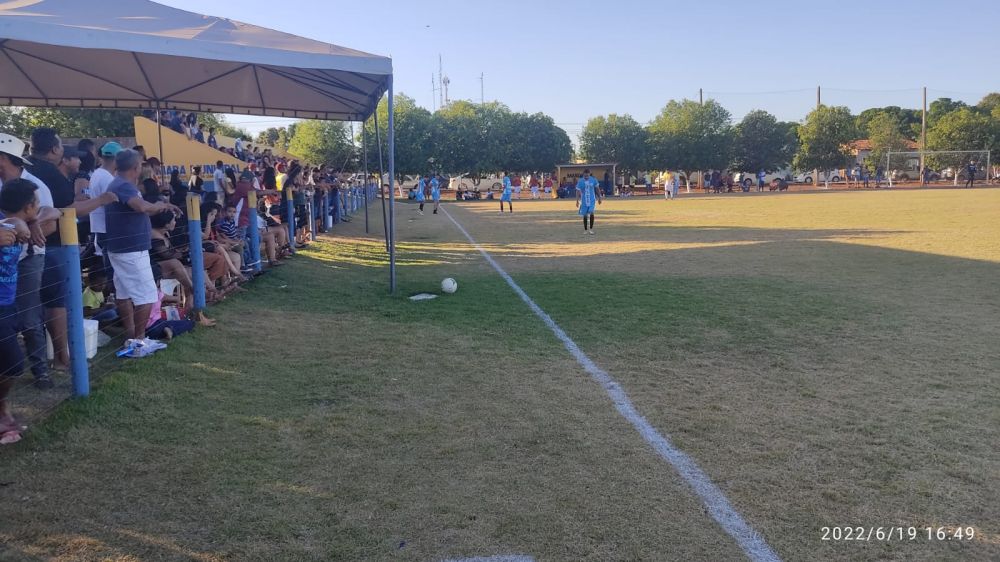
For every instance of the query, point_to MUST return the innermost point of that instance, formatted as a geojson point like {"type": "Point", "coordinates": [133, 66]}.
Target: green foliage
{"type": "Point", "coordinates": [616, 138]}
{"type": "Point", "coordinates": [690, 136]}
{"type": "Point", "coordinates": [324, 142]}
{"type": "Point", "coordinates": [941, 107]}
{"type": "Point", "coordinates": [823, 139]}
{"type": "Point", "coordinates": [468, 138]}
{"type": "Point", "coordinates": [886, 134]}
{"type": "Point", "coordinates": [72, 123]}
{"type": "Point", "coordinates": [908, 120]}
{"type": "Point", "coordinates": [989, 103]}
{"type": "Point", "coordinates": [760, 141]}
{"type": "Point", "coordinates": [963, 129]}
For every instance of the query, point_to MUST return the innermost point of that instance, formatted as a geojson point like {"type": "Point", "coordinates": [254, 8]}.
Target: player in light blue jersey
{"type": "Point", "coordinates": [588, 195]}
{"type": "Point", "coordinates": [421, 189]}
{"type": "Point", "coordinates": [507, 191]}
{"type": "Point", "coordinates": [436, 192]}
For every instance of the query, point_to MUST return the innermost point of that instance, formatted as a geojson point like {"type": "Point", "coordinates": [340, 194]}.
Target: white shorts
{"type": "Point", "coordinates": [133, 277]}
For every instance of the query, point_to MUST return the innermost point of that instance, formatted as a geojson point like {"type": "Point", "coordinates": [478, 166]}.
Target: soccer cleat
{"type": "Point", "coordinates": [591, 231]}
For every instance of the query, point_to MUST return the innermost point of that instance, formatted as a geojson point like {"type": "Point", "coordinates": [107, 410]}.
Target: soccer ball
{"type": "Point", "coordinates": [449, 285]}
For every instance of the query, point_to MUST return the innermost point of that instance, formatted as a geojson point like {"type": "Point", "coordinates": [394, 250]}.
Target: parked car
{"type": "Point", "coordinates": [911, 174]}
{"type": "Point", "coordinates": [807, 177]}
{"type": "Point", "coordinates": [949, 173]}
{"type": "Point", "coordinates": [749, 179]}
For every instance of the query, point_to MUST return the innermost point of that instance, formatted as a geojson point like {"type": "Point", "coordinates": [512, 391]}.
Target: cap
{"type": "Point", "coordinates": [247, 175]}
{"type": "Point", "coordinates": [13, 146]}
{"type": "Point", "coordinates": [110, 148]}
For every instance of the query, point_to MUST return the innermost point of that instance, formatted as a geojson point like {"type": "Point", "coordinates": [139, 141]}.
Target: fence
{"type": "Point", "coordinates": [80, 345]}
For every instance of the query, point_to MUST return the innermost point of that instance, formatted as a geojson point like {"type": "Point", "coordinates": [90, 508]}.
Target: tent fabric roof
{"type": "Point", "coordinates": [137, 54]}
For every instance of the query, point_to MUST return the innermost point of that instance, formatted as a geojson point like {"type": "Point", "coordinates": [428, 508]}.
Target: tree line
{"type": "Point", "coordinates": [691, 136]}
{"type": "Point", "coordinates": [470, 138]}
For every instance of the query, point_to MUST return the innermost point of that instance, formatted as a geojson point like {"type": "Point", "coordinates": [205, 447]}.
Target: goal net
{"type": "Point", "coordinates": [951, 166]}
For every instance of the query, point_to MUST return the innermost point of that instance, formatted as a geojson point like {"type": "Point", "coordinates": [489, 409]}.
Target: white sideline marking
{"type": "Point", "coordinates": [752, 543]}
{"type": "Point", "coordinates": [500, 558]}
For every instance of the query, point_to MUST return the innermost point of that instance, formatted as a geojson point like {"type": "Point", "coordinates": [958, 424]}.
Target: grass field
{"type": "Point", "coordinates": [828, 359]}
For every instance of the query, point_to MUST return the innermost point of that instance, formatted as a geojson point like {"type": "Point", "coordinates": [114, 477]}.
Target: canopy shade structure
{"type": "Point", "coordinates": [133, 54]}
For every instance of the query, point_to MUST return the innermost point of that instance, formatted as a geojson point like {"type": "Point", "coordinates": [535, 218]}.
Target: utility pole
{"type": "Point", "coordinates": [701, 99]}
{"type": "Point", "coordinates": [923, 137]}
{"type": "Point", "coordinates": [433, 94]}
{"type": "Point", "coordinates": [445, 82]}
{"type": "Point", "coordinates": [482, 88]}
{"type": "Point", "coordinates": [441, 79]}
{"type": "Point", "coordinates": [816, 172]}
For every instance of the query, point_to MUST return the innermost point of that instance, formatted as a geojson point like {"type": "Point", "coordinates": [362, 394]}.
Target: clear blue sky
{"type": "Point", "coordinates": [575, 60]}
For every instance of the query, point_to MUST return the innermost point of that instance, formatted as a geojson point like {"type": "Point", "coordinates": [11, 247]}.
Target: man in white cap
{"type": "Point", "coordinates": [31, 319]}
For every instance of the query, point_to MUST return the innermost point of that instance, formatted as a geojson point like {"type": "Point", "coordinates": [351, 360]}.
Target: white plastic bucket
{"type": "Point", "coordinates": [89, 338]}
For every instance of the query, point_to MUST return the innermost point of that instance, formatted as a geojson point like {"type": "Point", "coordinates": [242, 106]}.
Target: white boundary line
{"type": "Point", "coordinates": [752, 543]}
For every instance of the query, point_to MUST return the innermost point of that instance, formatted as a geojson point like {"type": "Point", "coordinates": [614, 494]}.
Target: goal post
{"type": "Point", "coordinates": [903, 166]}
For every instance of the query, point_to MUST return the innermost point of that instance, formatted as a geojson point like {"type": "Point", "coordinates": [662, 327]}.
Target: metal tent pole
{"type": "Point", "coordinates": [367, 183]}
{"type": "Point", "coordinates": [159, 134]}
{"type": "Point", "coordinates": [392, 200]}
{"type": "Point", "coordinates": [381, 175]}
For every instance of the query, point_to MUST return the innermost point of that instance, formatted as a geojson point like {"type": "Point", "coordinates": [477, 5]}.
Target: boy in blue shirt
{"type": "Point", "coordinates": [436, 193]}
{"type": "Point", "coordinates": [587, 197]}
{"type": "Point", "coordinates": [507, 191]}
{"type": "Point", "coordinates": [18, 207]}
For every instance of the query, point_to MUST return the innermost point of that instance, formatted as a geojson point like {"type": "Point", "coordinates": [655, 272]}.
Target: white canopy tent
{"type": "Point", "coordinates": [137, 54]}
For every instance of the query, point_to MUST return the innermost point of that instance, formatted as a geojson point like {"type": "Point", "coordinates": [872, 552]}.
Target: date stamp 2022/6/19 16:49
{"type": "Point", "coordinates": [896, 533]}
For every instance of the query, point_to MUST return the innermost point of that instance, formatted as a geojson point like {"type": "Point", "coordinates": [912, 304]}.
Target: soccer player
{"type": "Point", "coordinates": [420, 193]}
{"type": "Point", "coordinates": [587, 195]}
{"type": "Point", "coordinates": [970, 170]}
{"type": "Point", "coordinates": [436, 193]}
{"type": "Point", "coordinates": [505, 196]}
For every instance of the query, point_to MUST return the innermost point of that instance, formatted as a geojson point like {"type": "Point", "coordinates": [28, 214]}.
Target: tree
{"type": "Point", "coordinates": [690, 136]}
{"type": "Point", "coordinates": [71, 123]}
{"type": "Point", "coordinates": [324, 142]}
{"type": "Point", "coordinates": [941, 107]}
{"type": "Point", "coordinates": [989, 103]}
{"type": "Point", "coordinates": [885, 134]}
{"type": "Point", "coordinates": [760, 141]}
{"type": "Point", "coordinates": [542, 144]}
{"type": "Point", "coordinates": [615, 138]}
{"type": "Point", "coordinates": [824, 137]}
{"type": "Point", "coordinates": [908, 119]}
{"type": "Point", "coordinates": [413, 136]}
{"type": "Point", "coordinates": [962, 129]}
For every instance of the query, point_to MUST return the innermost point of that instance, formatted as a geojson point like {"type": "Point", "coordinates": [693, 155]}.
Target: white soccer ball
{"type": "Point", "coordinates": [449, 285]}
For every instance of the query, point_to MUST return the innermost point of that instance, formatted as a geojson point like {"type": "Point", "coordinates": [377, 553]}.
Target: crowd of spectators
{"type": "Point", "coordinates": [188, 125]}
{"type": "Point", "coordinates": [133, 227]}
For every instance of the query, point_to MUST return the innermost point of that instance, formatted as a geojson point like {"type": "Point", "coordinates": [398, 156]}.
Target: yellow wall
{"type": "Point", "coordinates": [180, 153]}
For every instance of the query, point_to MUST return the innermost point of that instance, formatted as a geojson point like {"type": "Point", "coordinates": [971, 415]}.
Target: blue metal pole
{"type": "Point", "coordinates": [312, 222]}
{"type": "Point", "coordinates": [290, 218]}
{"type": "Point", "coordinates": [197, 257]}
{"type": "Point", "coordinates": [70, 256]}
{"type": "Point", "coordinates": [253, 232]}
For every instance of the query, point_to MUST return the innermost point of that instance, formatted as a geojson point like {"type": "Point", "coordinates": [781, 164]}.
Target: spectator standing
{"type": "Point", "coordinates": [47, 155]}
{"type": "Point", "coordinates": [199, 134]}
{"type": "Point", "coordinates": [31, 261]}
{"type": "Point", "coordinates": [218, 178]}
{"type": "Point", "coordinates": [970, 173]}
{"type": "Point", "coordinates": [761, 175]}
{"type": "Point", "coordinates": [239, 148]}
{"type": "Point", "coordinates": [128, 247]}
{"type": "Point", "coordinates": [211, 138]}
{"type": "Point", "coordinates": [196, 184]}
{"type": "Point", "coordinates": [18, 206]}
